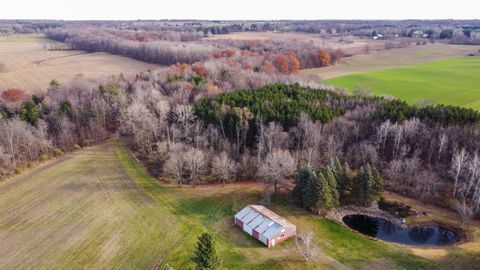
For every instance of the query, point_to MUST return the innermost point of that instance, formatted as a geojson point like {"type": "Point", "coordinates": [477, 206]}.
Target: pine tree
{"type": "Point", "coordinates": [346, 179]}
{"type": "Point", "coordinates": [343, 175]}
{"type": "Point", "coordinates": [368, 185]}
{"type": "Point", "coordinates": [305, 175]}
{"type": "Point", "coordinates": [311, 192]}
{"type": "Point", "coordinates": [327, 199]}
{"type": "Point", "coordinates": [377, 181]}
{"type": "Point", "coordinates": [332, 187]}
{"type": "Point", "coordinates": [205, 255]}
{"type": "Point", "coordinates": [362, 186]}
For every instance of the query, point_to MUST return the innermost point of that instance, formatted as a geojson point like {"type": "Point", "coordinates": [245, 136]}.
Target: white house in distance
{"type": "Point", "coordinates": [264, 225]}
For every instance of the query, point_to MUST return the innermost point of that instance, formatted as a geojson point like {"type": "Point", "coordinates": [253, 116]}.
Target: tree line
{"type": "Point", "coordinates": [192, 136]}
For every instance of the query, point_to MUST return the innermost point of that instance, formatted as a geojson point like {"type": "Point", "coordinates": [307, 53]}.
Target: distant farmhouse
{"type": "Point", "coordinates": [264, 225]}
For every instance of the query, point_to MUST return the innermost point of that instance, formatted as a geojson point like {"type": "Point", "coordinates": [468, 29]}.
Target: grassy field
{"type": "Point", "coordinates": [28, 66]}
{"type": "Point", "coordinates": [98, 209]}
{"type": "Point", "coordinates": [389, 59]}
{"type": "Point", "coordinates": [454, 81]}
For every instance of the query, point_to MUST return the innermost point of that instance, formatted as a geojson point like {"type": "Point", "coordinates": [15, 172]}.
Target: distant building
{"type": "Point", "coordinates": [417, 34]}
{"type": "Point", "coordinates": [264, 225]}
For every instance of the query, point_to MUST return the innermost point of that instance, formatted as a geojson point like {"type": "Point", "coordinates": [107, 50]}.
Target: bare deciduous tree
{"type": "Point", "coordinates": [139, 121]}
{"type": "Point", "coordinates": [464, 210]}
{"type": "Point", "coordinates": [397, 138]}
{"type": "Point", "coordinates": [443, 140]}
{"type": "Point", "coordinates": [196, 163]}
{"type": "Point", "coordinates": [22, 141]}
{"type": "Point", "coordinates": [382, 133]}
{"type": "Point", "coordinates": [4, 158]}
{"type": "Point", "coordinates": [458, 162]}
{"type": "Point", "coordinates": [175, 165]}
{"type": "Point", "coordinates": [223, 167]}
{"type": "Point", "coordinates": [184, 116]}
{"type": "Point", "coordinates": [277, 166]}
{"type": "Point", "coordinates": [244, 116]}
{"type": "Point", "coordinates": [305, 246]}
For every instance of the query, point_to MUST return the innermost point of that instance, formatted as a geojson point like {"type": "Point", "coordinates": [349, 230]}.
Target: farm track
{"type": "Point", "coordinates": [41, 61]}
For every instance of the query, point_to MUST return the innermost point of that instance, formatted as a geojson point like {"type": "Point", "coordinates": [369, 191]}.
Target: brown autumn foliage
{"type": "Point", "coordinates": [13, 95]}
{"type": "Point", "coordinates": [281, 63]}
{"type": "Point", "coordinates": [212, 89]}
{"type": "Point", "coordinates": [200, 70]}
{"type": "Point", "coordinates": [217, 54]}
{"type": "Point", "coordinates": [294, 63]}
{"type": "Point", "coordinates": [183, 67]}
{"type": "Point", "coordinates": [324, 58]}
{"type": "Point", "coordinates": [228, 53]}
{"type": "Point", "coordinates": [268, 67]}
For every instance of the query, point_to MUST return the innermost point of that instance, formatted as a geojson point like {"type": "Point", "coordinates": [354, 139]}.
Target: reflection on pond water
{"type": "Point", "coordinates": [431, 235]}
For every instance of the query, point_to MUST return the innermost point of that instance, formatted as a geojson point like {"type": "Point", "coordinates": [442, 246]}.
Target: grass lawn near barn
{"type": "Point", "coordinates": [455, 81]}
{"type": "Point", "coordinates": [99, 209]}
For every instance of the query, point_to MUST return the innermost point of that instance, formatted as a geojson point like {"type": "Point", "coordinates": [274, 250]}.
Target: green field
{"type": "Point", "coordinates": [455, 81]}
{"type": "Point", "coordinates": [98, 209]}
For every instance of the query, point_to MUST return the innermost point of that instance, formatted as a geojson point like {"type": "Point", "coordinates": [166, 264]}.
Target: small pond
{"type": "Point", "coordinates": [428, 235]}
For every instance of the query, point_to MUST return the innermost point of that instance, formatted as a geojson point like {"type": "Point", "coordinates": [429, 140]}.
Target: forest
{"type": "Point", "coordinates": [266, 133]}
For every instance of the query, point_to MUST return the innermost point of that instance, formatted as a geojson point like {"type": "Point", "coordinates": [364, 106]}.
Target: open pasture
{"type": "Point", "coordinates": [454, 81]}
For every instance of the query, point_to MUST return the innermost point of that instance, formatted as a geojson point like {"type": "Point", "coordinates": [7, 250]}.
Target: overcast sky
{"type": "Point", "coordinates": [240, 9]}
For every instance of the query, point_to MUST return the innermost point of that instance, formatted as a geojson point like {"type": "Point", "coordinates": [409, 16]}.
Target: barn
{"type": "Point", "coordinates": [264, 225]}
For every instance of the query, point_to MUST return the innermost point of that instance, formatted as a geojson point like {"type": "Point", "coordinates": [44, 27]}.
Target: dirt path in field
{"type": "Point", "coordinates": [42, 61]}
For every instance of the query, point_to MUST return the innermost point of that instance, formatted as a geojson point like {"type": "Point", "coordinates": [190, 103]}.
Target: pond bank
{"type": "Point", "coordinates": [339, 213]}
{"type": "Point", "coordinates": [373, 211]}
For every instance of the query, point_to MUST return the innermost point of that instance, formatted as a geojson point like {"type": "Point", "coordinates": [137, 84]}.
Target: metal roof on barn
{"type": "Point", "coordinates": [262, 220]}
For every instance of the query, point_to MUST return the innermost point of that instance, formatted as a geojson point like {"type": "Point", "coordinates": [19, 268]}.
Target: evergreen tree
{"type": "Point", "coordinates": [368, 185]}
{"type": "Point", "coordinates": [343, 175]}
{"type": "Point", "coordinates": [311, 192]}
{"type": "Point", "coordinates": [29, 112]}
{"type": "Point", "coordinates": [305, 176]}
{"type": "Point", "coordinates": [377, 181]}
{"type": "Point", "coordinates": [205, 255]}
{"type": "Point", "coordinates": [362, 186]}
{"type": "Point", "coordinates": [326, 200]}
{"type": "Point", "coordinates": [346, 179]}
{"type": "Point", "coordinates": [332, 187]}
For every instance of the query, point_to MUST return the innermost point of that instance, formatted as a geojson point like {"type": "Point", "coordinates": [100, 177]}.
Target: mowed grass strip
{"type": "Point", "coordinates": [454, 81]}
{"type": "Point", "coordinates": [98, 209]}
